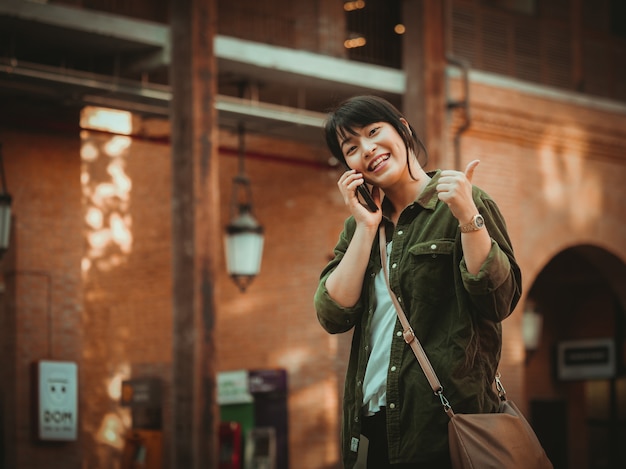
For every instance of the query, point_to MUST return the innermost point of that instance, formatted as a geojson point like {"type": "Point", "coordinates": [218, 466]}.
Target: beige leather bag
{"type": "Point", "coordinates": [500, 440]}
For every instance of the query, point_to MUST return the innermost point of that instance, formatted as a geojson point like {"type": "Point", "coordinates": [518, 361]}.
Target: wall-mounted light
{"type": "Point", "coordinates": [5, 210]}
{"type": "Point", "coordinates": [532, 325]}
{"type": "Point", "coordinates": [244, 235]}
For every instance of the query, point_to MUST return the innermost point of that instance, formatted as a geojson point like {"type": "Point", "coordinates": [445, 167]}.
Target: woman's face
{"type": "Point", "coordinates": [377, 151]}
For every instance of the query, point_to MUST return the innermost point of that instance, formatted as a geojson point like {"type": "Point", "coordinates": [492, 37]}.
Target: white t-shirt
{"type": "Point", "coordinates": [383, 323]}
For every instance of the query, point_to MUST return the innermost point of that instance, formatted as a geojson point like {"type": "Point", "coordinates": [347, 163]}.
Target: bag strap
{"type": "Point", "coordinates": [411, 339]}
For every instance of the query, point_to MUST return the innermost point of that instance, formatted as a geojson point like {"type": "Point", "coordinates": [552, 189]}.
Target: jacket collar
{"type": "Point", "coordinates": [428, 198]}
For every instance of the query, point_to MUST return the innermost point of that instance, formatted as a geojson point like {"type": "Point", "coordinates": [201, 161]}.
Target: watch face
{"type": "Point", "coordinates": [479, 221]}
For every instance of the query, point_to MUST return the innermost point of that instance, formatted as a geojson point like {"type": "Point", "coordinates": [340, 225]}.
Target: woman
{"type": "Point", "coordinates": [451, 265]}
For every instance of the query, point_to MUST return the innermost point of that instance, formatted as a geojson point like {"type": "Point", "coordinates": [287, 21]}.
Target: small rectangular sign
{"type": "Point", "coordinates": [586, 359]}
{"type": "Point", "coordinates": [57, 400]}
{"type": "Point", "coordinates": [233, 387]}
{"type": "Point", "coordinates": [141, 392]}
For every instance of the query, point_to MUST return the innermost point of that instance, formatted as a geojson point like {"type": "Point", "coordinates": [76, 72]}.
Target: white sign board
{"type": "Point", "coordinates": [58, 400]}
{"type": "Point", "coordinates": [233, 387]}
{"type": "Point", "coordinates": [587, 359]}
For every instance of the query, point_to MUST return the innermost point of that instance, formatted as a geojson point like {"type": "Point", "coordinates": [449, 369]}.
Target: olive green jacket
{"type": "Point", "coordinates": [455, 315]}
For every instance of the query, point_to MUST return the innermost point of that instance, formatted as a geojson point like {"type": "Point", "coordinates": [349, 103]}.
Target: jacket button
{"type": "Point", "coordinates": [393, 368]}
{"type": "Point", "coordinates": [392, 406]}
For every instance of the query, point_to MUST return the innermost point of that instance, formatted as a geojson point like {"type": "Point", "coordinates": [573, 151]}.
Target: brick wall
{"type": "Point", "coordinates": [41, 274]}
{"type": "Point", "coordinates": [553, 167]}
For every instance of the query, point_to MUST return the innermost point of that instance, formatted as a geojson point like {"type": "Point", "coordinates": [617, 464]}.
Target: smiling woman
{"type": "Point", "coordinates": [445, 235]}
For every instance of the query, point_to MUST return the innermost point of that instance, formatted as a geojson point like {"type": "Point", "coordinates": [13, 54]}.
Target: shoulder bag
{"type": "Point", "coordinates": [503, 439]}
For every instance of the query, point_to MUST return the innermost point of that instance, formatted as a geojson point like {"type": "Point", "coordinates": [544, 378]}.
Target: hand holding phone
{"type": "Point", "coordinates": [366, 196]}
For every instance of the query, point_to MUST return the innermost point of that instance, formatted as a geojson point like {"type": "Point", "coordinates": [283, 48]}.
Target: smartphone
{"type": "Point", "coordinates": [366, 196]}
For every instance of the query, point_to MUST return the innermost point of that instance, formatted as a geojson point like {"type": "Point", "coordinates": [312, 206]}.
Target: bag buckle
{"type": "Point", "coordinates": [409, 335]}
{"type": "Point", "coordinates": [500, 387]}
{"type": "Point", "coordinates": [444, 402]}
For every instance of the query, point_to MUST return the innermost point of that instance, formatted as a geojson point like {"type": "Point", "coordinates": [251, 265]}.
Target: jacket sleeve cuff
{"type": "Point", "coordinates": [493, 273]}
{"type": "Point", "coordinates": [332, 316]}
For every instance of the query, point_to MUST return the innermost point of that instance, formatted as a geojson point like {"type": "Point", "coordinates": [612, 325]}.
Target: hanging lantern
{"type": "Point", "coordinates": [243, 241]}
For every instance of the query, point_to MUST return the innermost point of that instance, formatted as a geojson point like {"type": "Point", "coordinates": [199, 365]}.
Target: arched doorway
{"type": "Point", "coordinates": [576, 376]}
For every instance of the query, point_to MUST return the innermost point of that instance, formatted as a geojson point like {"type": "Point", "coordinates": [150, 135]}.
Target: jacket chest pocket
{"type": "Point", "coordinates": [432, 271]}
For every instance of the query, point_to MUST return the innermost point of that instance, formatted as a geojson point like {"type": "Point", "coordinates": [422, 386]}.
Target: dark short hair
{"type": "Point", "coordinates": [359, 111]}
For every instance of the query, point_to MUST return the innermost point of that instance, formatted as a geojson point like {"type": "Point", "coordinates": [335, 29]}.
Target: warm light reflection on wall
{"type": "Point", "coordinates": [241, 305]}
{"type": "Point", "coordinates": [565, 177]}
{"type": "Point", "coordinates": [322, 396]}
{"type": "Point", "coordinates": [106, 188]}
{"type": "Point", "coordinates": [293, 359]}
{"type": "Point", "coordinates": [117, 145]}
{"type": "Point", "coordinates": [112, 430]}
{"type": "Point", "coordinates": [513, 350]}
{"type": "Point", "coordinates": [106, 191]}
{"type": "Point", "coordinates": [296, 359]}
{"type": "Point", "coordinates": [115, 384]}
{"type": "Point", "coordinates": [108, 120]}
{"type": "Point", "coordinates": [115, 425]}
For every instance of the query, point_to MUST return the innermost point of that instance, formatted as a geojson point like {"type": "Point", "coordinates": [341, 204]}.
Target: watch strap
{"type": "Point", "coordinates": [472, 226]}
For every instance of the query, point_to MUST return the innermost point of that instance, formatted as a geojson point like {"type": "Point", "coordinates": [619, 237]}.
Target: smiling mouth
{"type": "Point", "coordinates": [377, 162]}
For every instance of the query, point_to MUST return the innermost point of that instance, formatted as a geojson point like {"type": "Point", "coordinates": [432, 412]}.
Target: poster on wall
{"type": "Point", "coordinates": [57, 400]}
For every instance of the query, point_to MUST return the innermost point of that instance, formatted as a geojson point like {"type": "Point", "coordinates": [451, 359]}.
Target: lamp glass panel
{"type": "Point", "coordinates": [243, 253]}
{"type": "Point", "coordinates": [5, 225]}
{"type": "Point", "coordinates": [532, 323]}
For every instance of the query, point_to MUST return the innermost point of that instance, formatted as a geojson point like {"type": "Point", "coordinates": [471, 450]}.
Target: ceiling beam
{"type": "Point", "coordinates": [306, 67]}
{"type": "Point", "coordinates": [261, 61]}
{"type": "Point", "coordinates": [147, 33]}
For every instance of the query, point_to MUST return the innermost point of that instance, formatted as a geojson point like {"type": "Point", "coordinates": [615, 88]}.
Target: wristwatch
{"type": "Point", "coordinates": [477, 223]}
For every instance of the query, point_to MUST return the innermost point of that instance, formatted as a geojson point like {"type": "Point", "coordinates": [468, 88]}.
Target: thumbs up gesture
{"type": "Point", "coordinates": [455, 189]}
{"type": "Point", "coordinates": [469, 169]}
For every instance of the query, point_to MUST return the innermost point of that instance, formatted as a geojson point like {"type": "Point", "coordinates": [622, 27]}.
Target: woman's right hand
{"type": "Point", "coordinates": [345, 282]}
{"type": "Point", "coordinates": [348, 183]}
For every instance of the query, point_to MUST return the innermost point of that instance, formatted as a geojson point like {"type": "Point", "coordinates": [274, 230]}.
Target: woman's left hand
{"type": "Point", "coordinates": [455, 189]}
